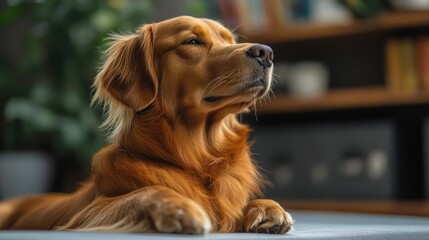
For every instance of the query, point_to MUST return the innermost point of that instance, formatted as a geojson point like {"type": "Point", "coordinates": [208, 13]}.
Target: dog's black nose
{"type": "Point", "coordinates": [263, 54]}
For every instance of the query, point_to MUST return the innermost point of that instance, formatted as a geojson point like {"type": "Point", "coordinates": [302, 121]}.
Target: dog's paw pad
{"type": "Point", "coordinates": [275, 229]}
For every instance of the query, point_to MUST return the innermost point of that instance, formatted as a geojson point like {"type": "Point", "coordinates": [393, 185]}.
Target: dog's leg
{"type": "Point", "coordinates": [6, 210]}
{"type": "Point", "coordinates": [266, 216]}
{"type": "Point", "coordinates": [150, 209]}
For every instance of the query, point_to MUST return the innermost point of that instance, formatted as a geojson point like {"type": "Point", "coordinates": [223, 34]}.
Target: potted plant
{"type": "Point", "coordinates": [45, 85]}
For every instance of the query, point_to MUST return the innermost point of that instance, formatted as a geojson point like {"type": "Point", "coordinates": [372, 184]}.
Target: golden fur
{"type": "Point", "coordinates": [178, 160]}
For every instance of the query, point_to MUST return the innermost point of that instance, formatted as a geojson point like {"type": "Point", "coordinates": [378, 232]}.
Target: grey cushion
{"type": "Point", "coordinates": [308, 225]}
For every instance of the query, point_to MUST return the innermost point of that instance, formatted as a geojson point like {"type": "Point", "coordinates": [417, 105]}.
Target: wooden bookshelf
{"type": "Point", "coordinates": [416, 208]}
{"type": "Point", "coordinates": [343, 99]}
{"type": "Point", "coordinates": [348, 98]}
{"type": "Point", "coordinates": [372, 33]}
{"type": "Point", "coordinates": [387, 21]}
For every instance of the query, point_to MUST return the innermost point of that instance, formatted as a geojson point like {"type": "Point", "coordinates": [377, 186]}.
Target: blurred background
{"type": "Point", "coordinates": [347, 127]}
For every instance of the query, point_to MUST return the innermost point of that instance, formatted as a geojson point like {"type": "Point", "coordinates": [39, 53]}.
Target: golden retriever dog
{"type": "Point", "coordinates": [178, 160]}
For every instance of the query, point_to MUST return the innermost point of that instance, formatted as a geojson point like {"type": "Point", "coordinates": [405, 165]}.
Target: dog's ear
{"type": "Point", "coordinates": [128, 72]}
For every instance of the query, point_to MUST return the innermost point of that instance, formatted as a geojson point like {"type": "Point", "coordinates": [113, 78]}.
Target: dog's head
{"type": "Point", "coordinates": [185, 66]}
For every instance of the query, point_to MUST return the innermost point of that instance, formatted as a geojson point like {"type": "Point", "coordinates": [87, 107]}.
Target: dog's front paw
{"type": "Point", "coordinates": [180, 217]}
{"type": "Point", "coordinates": [266, 216]}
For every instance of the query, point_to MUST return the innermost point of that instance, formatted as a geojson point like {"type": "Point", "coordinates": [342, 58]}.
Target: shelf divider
{"type": "Point", "coordinates": [386, 21]}
{"type": "Point", "coordinates": [342, 99]}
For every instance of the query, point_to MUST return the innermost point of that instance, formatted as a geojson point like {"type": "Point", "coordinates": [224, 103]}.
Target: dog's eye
{"type": "Point", "coordinates": [194, 42]}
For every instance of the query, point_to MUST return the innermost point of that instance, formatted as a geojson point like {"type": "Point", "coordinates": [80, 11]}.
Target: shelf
{"type": "Point", "coordinates": [343, 99]}
{"type": "Point", "coordinates": [387, 21]}
{"type": "Point", "coordinates": [416, 208]}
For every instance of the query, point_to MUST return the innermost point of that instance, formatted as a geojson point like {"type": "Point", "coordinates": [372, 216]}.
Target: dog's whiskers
{"type": "Point", "coordinates": [275, 75]}
{"type": "Point", "coordinates": [216, 85]}
{"type": "Point", "coordinates": [229, 82]}
{"type": "Point", "coordinates": [272, 93]}
{"type": "Point", "coordinates": [255, 111]}
{"type": "Point", "coordinates": [216, 82]}
{"type": "Point", "coordinates": [211, 82]}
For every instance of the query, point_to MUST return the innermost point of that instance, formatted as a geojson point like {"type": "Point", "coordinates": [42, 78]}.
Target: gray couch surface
{"type": "Point", "coordinates": [308, 225]}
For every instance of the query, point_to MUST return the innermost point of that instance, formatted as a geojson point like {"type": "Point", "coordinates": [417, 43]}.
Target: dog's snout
{"type": "Point", "coordinates": [262, 53]}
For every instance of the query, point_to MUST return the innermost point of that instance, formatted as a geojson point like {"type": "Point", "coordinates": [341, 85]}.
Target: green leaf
{"type": "Point", "coordinates": [10, 14]}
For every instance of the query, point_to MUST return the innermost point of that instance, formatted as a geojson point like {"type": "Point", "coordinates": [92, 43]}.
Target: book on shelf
{"type": "Point", "coordinates": [259, 16]}
{"type": "Point", "coordinates": [407, 64]}
{"type": "Point", "coordinates": [229, 12]}
{"type": "Point", "coordinates": [410, 83]}
{"type": "Point", "coordinates": [393, 64]}
{"type": "Point", "coordinates": [423, 61]}
{"type": "Point", "coordinates": [247, 15]}
{"type": "Point", "coordinates": [252, 15]}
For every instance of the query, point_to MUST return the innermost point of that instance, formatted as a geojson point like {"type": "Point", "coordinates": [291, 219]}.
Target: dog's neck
{"type": "Point", "coordinates": [205, 141]}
